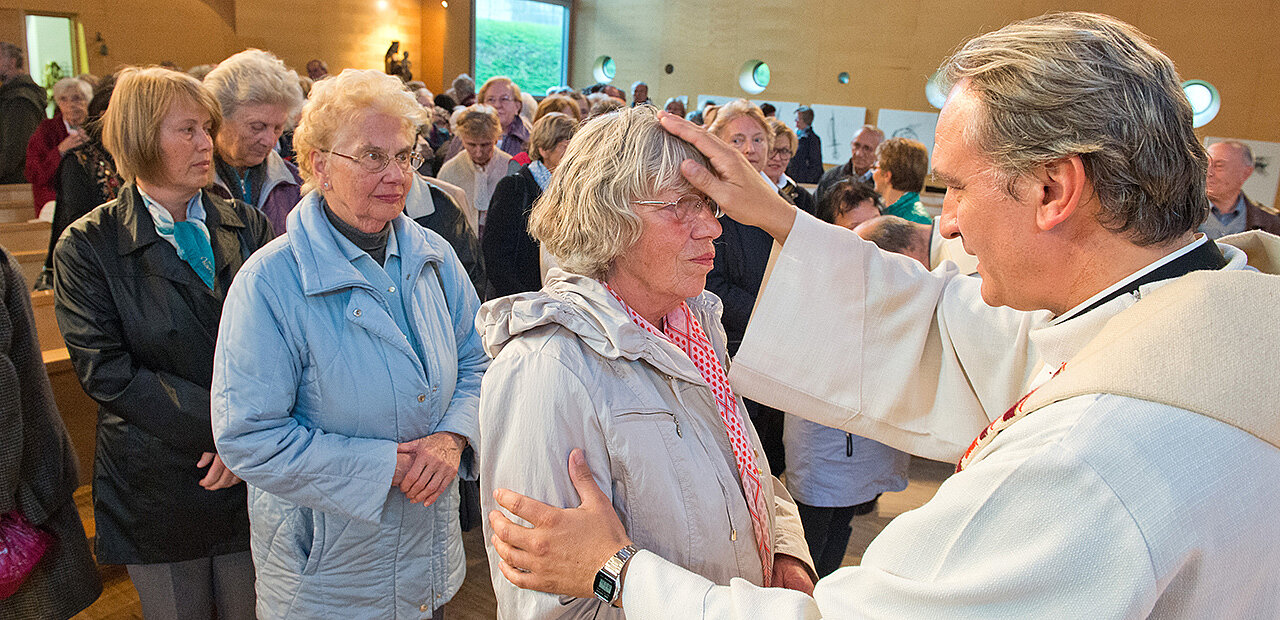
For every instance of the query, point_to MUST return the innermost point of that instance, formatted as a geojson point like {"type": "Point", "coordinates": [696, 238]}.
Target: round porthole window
{"type": "Point", "coordinates": [1204, 101]}
{"type": "Point", "coordinates": [754, 76]}
{"type": "Point", "coordinates": [604, 69]}
{"type": "Point", "coordinates": [933, 91]}
{"type": "Point", "coordinates": [843, 78]}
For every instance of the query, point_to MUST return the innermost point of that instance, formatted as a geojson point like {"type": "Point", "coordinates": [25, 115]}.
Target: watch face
{"type": "Point", "coordinates": [604, 588]}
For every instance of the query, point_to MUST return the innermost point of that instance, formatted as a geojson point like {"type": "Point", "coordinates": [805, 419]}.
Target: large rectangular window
{"type": "Point", "coordinates": [525, 40]}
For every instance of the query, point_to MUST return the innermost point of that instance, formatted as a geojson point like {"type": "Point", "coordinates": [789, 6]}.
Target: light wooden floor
{"type": "Point", "coordinates": [475, 600]}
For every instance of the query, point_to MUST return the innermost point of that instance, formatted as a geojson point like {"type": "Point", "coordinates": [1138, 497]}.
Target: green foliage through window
{"type": "Point", "coordinates": [529, 54]}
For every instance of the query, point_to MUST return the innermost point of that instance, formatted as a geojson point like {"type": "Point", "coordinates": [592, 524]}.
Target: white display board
{"type": "Point", "coordinates": [719, 99]}
{"type": "Point", "coordinates": [835, 125]}
{"type": "Point", "coordinates": [1262, 185]}
{"type": "Point", "coordinates": [917, 126]}
{"type": "Point", "coordinates": [786, 110]}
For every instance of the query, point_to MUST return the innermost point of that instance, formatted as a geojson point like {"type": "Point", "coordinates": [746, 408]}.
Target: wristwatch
{"type": "Point", "coordinates": [607, 586]}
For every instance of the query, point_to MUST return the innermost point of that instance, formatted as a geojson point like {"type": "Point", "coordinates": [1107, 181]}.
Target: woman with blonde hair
{"type": "Point", "coordinates": [622, 355]}
{"type": "Point", "coordinates": [480, 165]}
{"type": "Point", "coordinates": [501, 94]}
{"type": "Point", "coordinates": [348, 373]}
{"type": "Point", "coordinates": [139, 286]}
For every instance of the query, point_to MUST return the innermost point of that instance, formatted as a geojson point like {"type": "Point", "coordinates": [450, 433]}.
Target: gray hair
{"type": "Point", "coordinates": [65, 85]}
{"type": "Point", "coordinates": [1085, 84]}
{"type": "Point", "coordinates": [254, 77]}
{"type": "Point", "coordinates": [1246, 153]}
{"type": "Point", "coordinates": [586, 218]}
{"type": "Point", "coordinates": [12, 51]}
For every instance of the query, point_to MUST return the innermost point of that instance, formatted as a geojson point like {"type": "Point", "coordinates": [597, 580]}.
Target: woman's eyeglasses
{"type": "Point", "coordinates": [686, 208]}
{"type": "Point", "coordinates": [374, 162]}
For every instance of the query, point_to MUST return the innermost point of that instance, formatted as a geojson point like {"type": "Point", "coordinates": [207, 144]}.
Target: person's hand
{"type": "Point", "coordinates": [433, 465]}
{"type": "Point", "coordinates": [76, 138]}
{"type": "Point", "coordinates": [403, 461]}
{"type": "Point", "coordinates": [735, 185]}
{"type": "Point", "coordinates": [791, 573]}
{"type": "Point", "coordinates": [218, 476]}
{"type": "Point", "coordinates": [565, 548]}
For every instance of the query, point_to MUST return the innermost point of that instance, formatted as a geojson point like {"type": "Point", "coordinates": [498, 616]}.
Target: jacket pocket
{"type": "Point", "coordinates": [299, 541]}
{"type": "Point", "coordinates": [661, 417]}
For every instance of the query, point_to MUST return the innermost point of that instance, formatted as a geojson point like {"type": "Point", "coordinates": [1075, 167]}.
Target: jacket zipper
{"type": "Point", "coordinates": [733, 530]}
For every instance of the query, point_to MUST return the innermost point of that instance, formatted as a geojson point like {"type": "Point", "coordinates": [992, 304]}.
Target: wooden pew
{"type": "Point", "coordinates": [46, 323]}
{"type": "Point", "coordinates": [16, 203]}
{"type": "Point", "coordinates": [25, 236]}
{"type": "Point", "coordinates": [79, 412]}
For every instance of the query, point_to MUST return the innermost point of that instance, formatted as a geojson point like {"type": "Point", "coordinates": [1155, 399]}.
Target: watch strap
{"type": "Point", "coordinates": [608, 578]}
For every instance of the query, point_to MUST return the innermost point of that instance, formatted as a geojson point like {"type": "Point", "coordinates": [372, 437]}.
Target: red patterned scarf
{"type": "Point", "coordinates": [681, 328]}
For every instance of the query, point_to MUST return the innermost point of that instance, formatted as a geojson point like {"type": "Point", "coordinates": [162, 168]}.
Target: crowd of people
{"type": "Point", "coordinates": [333, 320]}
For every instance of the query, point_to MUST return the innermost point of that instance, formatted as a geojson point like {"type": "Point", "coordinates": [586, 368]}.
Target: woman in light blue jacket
{"type": "Point", "coordinates": [347, 377]}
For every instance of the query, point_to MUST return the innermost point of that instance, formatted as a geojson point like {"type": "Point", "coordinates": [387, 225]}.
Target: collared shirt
{"type": "Point", "coordinates": [385, 281]}
{"type": "Point", "coordinates": [164, 221]}
{"type": "Point", "coordinates": [1229, 223]}
{"type": "Point", "coordinates": [1199, 241]}
{"type": "Point", "coordinates": [540, 174]}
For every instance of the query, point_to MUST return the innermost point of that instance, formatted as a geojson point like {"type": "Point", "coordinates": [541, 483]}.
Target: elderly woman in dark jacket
{"type": "Point", "coordinates": [139, 285]}
{"type": "Point", "coordinates": [38, 466]}
{"type": "Point", "coordinates": [511, 254]}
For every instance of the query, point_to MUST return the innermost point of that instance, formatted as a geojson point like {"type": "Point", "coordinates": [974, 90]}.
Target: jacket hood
{"type": "Point", "coordinates": [585, 307]}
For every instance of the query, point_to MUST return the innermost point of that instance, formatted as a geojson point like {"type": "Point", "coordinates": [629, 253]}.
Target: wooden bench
{"type": "Point", "coordinates": [31, 262]}
{"type": "Point", "coordinates": [24, 236]}
{"type": "Point", "coordinates": [16, 203]}
{"type": "Point", "coordinates": [79, 412]}
{"type": "Point", "coordinates": [46, 323]}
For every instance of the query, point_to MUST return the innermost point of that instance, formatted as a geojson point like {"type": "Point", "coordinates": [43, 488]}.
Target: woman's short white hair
{"type": "Point", "coordinates": [586, 217]}
{"type": "Point", "coordinates": [337, 103]}
{"type": "Point", "coordinates": [70, 84]}
{"type": "Point", "coordinates": [254, 77]}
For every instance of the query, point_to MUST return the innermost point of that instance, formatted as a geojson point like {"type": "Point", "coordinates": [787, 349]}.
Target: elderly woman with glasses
{"type": "Point", "coordinates": [259, 97]}
{"type": "Point", "coordinates": [622, 355]}
{"type": "Point", "coordinates": [347, 376]}
{"type": "Point", "coordinates": [775, 167]}
{"type": "Point", "coordinates": [741, 254]}
{"type": "Point", "coordinates": [53, 138]}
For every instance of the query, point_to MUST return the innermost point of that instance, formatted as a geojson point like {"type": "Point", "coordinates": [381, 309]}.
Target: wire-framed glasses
{"type": "Point", "coordinates": [373, 161]}
{"type": "Point", "coordinates": [686, 208]}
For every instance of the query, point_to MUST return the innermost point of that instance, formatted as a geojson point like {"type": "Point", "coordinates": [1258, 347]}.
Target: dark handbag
{"type": "Point", "coordinates": [21, 547]}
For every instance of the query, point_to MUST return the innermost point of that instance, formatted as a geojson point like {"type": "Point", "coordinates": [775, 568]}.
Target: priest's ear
{"type": "Point", "coordinates": [1062, 189]}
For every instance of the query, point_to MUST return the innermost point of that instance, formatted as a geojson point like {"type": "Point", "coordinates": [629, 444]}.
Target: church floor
{"type": "Point", "coordinates": [475, 600]}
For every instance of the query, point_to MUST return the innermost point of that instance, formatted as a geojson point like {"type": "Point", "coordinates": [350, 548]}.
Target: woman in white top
{"type": "Point", "coordinates": [480, 165]}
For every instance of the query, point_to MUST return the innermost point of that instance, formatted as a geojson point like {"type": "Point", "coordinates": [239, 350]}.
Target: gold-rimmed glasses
{"type": "Point", "coordinates": [686, 208]}
{"type": "Point", "coordinates": [374, 161]}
